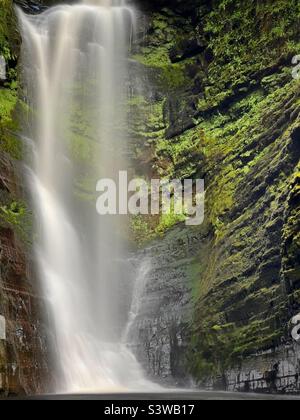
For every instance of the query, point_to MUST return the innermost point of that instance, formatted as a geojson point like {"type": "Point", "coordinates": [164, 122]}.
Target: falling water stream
{"type": "Point", "coordinates": [75, 60]}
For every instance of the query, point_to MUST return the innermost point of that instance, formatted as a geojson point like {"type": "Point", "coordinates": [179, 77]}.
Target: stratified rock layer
{"type": "Point", "coordinates": [23, 347]}
{"type": "Point", "coordinates": [223, 105]}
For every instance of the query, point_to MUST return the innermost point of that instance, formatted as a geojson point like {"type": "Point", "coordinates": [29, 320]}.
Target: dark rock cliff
{"type": "Point", "coordinates": [23, 347]}
{"type": "Point", "coordinates": [223, 105]}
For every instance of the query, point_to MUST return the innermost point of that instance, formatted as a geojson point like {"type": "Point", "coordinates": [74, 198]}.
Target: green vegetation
{"type": "Point", "coordinates": [9, 41]}
{"type": "Point", "coordinates": [9, 143]}
{"type": "Point", "coordinates": [13, 211]}
{"type": "Point", "coordinates": [8, 35]}
{"type": "Point", "coordinates": [17, 216]}
{"type": "Point", "coordinates": [234, 107]}
{"type": "Point", "coordinates": [246, 38]}
{"type": "Point", "coordinates": [166, 33]}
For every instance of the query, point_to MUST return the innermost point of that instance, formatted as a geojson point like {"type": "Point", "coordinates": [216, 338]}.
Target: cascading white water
{"type": "Point", "coordinates": [75, 65]}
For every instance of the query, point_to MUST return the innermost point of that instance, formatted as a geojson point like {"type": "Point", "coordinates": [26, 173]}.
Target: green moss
{"type": "Point", "coordinates": [13, 213]}
{"type": "Point", "coordinates": [9, 143]}
{"type": "Point", "coordinates": [183, 153]}
{"type": "Point", "coordinates": [136, 101]}
{"type": "Point", "coordinates": [240, 34]}
{"type": "Point", "coordinates": [155, 58]}
{"type": "Point", "coordinates": [173, 77]}
{"type": "Point", "coordinates": [167, 221]}
{"type": "Point", "coordinates": [146, 228]}
{"type": "Point", "coordinates": [166, 33]}
{"type": "Point", "coordinates": [17, 216]}
{"type": "Point", "coordinates": [142, 229]}
{"type": "Point", "coordinates": [9, 38]}
{"type": "Point", "coordinates": [8, 99]}
{"type": "Point", "coordinates": [169, 76]}
{"type": "Point", "coordinates": [241, 104]}
{"type": "Point", "coordinates": [221, 347]}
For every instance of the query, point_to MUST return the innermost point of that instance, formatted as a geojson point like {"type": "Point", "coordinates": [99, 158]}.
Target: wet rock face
{"type": "Point", "coordinates": [160, 331]}
{"type": "Point", "coordinates": [23, 347]}
{"type": "Point", "coordinates": [235, 122]}
{"type": "Point", "coordinates": [271, 371]}
{"type": "Point", "coordinates": [163, 315]}
{"type": "Point", "coordinates": [30, 7]}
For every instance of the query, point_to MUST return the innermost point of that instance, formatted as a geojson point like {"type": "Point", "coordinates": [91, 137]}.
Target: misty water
{"type": "Point", "coordinates": [75, 61]}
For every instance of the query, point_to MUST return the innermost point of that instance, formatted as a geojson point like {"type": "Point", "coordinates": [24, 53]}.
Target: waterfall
{"type": "Point", "coordinates": [75, 61]}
